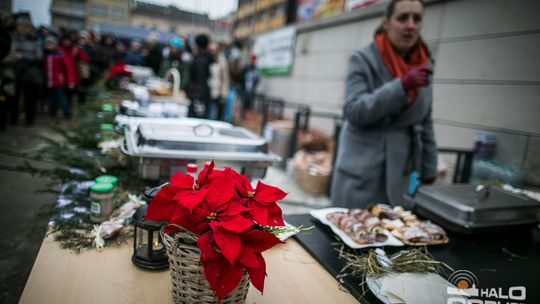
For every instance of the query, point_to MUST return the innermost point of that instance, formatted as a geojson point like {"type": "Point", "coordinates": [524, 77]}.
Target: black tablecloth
{"type": "Point", "coordinates": [500, 260]}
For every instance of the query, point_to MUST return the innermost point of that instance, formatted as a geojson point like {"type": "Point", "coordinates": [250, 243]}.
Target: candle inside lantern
{"type": "Point", "coordinates": [156, 246]}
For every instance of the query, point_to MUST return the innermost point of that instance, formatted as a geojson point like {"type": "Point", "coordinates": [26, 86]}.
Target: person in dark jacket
{"type": "Point", "coordinates": [250, 79]}
{"type": "Point", "coordinates": [26, 55]}
{"type": "Point", "coordinates": [153, 54]}
{"type": "Point", "coordinates": [135, 55]}
{"type": "Point", "coordinates": [98, 64]}
{"type": "Point", "coordinates": [109, 50]}
{"type": "Point", "coordinates": [199, 91]}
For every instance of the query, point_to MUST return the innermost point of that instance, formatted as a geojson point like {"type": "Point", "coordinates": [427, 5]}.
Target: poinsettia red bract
{"type": "Point", "coordinates": [228, 215]}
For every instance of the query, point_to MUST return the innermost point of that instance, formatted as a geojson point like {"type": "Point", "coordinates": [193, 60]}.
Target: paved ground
{"type": "Point", "coordinates": [20, 230]}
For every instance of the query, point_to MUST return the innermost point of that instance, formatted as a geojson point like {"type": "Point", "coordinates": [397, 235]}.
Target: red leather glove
{"type": "Point", "coordinates": [417, 77]}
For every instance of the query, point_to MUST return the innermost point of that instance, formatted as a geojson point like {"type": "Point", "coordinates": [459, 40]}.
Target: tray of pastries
{"type": "Point", "coordinates": [380, 225]}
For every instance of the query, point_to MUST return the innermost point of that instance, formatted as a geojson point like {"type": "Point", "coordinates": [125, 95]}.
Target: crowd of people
{"type": "Point", "coordinates": [48, 69]}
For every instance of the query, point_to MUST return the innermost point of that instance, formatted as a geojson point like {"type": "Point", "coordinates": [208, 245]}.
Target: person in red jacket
{"type": "Point", "coordinates": [57, 75]}
{"type": "Point", "coordinates": [76, 58]}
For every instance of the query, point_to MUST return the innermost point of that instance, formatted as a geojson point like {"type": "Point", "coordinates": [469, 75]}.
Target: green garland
{"type": "Point", "coordinates": [76, 158]}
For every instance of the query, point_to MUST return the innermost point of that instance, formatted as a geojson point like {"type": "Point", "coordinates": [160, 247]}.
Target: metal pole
{"type": "Point", "coordinates": [296, 127]}
{"type": "Point", "coordinates": [337, 130]}
{"type": "Point", "coordinates": [264, 115]}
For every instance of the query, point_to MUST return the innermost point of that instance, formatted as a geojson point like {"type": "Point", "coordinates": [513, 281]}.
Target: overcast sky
{"type": "Point", "coordinates": [214, 8]}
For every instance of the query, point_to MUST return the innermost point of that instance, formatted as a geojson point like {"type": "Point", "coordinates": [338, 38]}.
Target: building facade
{"type": "Point", "coordinates": [88, 14]}
{"type": "Point", "coordinates": [70, 14]}
{"type": "Point", "coordinates": [168, 19]}
{"type": "Point", "coordinates": [258, 16]}
{"type": "Point", "coordinates": [107, 12]}
{"type": "Point", "coordinates": [126, 16]}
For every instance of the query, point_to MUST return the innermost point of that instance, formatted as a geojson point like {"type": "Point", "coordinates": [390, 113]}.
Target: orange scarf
{"type": "Point", "coordinates": [395, 63]}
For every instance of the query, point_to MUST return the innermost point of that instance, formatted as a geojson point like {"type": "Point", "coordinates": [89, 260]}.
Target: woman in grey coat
{"type": "Point", "coordinates": [387, 132]}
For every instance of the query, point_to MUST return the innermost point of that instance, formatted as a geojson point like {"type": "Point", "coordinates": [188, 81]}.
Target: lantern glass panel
{"type": "Point", "coordinates": [142, 243]}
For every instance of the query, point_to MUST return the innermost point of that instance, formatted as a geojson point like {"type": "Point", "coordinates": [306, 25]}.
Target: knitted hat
{"type": "Point", "coordinates": [177, 42]}
{"type": "Point", "coordinates": [51, 39]}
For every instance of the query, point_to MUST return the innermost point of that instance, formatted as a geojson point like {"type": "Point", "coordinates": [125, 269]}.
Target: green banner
{"type": "Point", "coordinates": [286, 70]}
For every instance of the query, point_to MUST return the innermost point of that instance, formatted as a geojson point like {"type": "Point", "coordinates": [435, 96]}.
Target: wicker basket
{"type": "Point", "coordinates": [189, 285]}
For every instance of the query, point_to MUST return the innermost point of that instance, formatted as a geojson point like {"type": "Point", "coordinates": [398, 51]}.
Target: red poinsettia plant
{"type": "Point", "coordinates": [229, 216]}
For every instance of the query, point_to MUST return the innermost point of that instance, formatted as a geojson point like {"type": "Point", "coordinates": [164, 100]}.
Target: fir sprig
{"type": "Point", "coordinates": [277, 230]}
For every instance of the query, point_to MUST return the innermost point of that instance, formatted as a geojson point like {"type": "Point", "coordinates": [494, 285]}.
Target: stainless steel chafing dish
{"type": "Point", "coordinates": [161, 147]}
{"type": "Point", "coordinates": [476, 208]}
{"type": "Point", "coordinates": [124, 120]}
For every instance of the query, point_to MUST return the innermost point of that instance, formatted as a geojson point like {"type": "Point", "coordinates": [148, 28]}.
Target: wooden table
{"type": "Point", "coordinates": [59, 276]}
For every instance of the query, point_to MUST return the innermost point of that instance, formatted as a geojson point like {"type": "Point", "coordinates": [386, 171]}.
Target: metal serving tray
{"type": "Point", "coordinates": [123, 120]}
{"type": "Point", "coordinates": [157, 107]}
{"type": "Point", "coordinates": [472, 209]}
{"type": "Point", "coordinates": [162, 147]}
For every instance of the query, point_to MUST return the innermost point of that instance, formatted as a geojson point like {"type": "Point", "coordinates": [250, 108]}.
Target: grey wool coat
{"type": "Point", "coordinates": [381, 138]}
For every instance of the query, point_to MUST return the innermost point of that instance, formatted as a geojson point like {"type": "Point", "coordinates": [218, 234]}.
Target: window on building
{"type": "Point", "coordinates": [172, 28]}
{"type": "Point", "coordinates": [76, 5]}
{"type": "Point", "coordinates": [75, 24]}
{"type": "Point", "coordinates": [280, 10]}
{"type": "Point", "coordinates": [241, 3]}
{"type": "Point", "coordinates": [142, 25]}
{"type": "Point", "coordinates": [98, 10]}
{"type": "Point", "coordinates": [118, 13]}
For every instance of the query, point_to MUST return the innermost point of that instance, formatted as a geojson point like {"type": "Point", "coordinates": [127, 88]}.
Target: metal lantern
{"type": "Point", "coordinates": [148, 248]}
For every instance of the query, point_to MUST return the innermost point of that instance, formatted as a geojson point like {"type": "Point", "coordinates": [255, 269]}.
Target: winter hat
{"type": "Point", "coordinates": [152, 38]}
{"type": "Point", "coordinates": [51, 39]}
{"type": "Point", "coordinates": [23, 19]}
{"type": "Point", "coordinates": [83, 34]}
{"type": "Point", "coordinates": [177, 42]}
